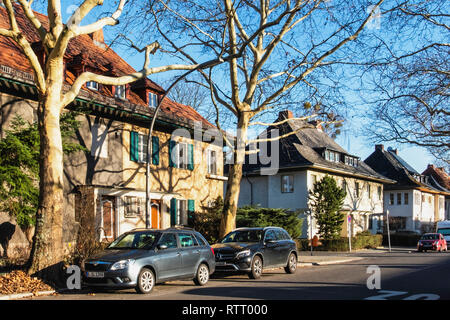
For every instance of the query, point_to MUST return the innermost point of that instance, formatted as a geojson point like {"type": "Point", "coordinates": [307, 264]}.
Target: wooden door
{"type": "Point", "coordinates": [108, 219]}
{"type": "Point", "coordinates": [155, 214]}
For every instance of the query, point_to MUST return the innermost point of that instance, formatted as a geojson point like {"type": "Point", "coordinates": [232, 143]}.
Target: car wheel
{"type": "Point", "coordinates": [146, 281]}
{"type": "Point", "coordinates": [292, 264]}
{"type": "Point", "coordinates": [202, 276]}
{"type": "Point", "coordinates": [256, 268]}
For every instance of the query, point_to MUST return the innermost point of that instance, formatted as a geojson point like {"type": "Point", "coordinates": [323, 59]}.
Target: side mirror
{"type": "Point", "coordinates": [162, 246]}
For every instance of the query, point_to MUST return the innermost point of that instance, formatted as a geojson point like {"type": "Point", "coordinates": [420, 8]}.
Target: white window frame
{"type": "Point", "coordinates": [182, 212]}
{"type": "Point", "coordinates": [120, 92]}
{"type": "Point", "coordinates": [179, 156]}
{"type": "Point", "coordinates": [92, 85]}
{"type": "Point", "coordinates": [287, 185]}
{"type": "Point", "coordinates": [142, 147]}
{"type": "Point", "coordinates": [153, 100]}
{"type": "Point", "coordinates": [211, 159]}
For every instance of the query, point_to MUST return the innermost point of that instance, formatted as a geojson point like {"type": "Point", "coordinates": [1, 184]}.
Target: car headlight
{"type": "Point", "coordinates": [122, 264]}
{"type": "Point", "coordinates": [243, 254]}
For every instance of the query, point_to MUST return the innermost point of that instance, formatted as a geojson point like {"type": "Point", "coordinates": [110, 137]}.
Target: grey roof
{"type": "Point", "coordinates": [304, 147]}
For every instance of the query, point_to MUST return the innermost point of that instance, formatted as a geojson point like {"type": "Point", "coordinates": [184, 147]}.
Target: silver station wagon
{"type": "Point", "coordinates": [142, 258]}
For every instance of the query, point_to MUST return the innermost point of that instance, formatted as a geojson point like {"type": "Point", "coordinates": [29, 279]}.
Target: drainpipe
{"type": "Point", "coordinates": [251, 189]}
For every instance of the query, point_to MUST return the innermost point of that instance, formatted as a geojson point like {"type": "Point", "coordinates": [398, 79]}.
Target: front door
{"type": "Point", "coordinates": [155, 214]}
{"type": "Point", "coordinates": [108, 219]}
{"type": "Point", "coordinates": [169, 259]}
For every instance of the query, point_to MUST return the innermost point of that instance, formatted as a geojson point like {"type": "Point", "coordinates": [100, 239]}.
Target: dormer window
{"type": "Point", "coordinates": [120, 92]}
{"type": "Point", "coordinates": [92, 85]}
{"type": "Point", "coordinates": [351, 161]}
{"type": "Point", "coordinates": [152, 100]}
{"type": "Point", "coordinates": [331, 156]}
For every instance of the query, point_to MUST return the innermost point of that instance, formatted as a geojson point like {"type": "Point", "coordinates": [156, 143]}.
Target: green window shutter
{"type": "Point", "coordinates": [155, 150]}
{"type": "Point", "coordinates": [134, 146]}
{"type": "Point", "coordinates": [172, 145]}
{"type": "Point", "coordinates": [191, 157]}
{"type": "Point", "coordinates": [173, 211]}
{"type": "Point", "coordinates": [191, 212]}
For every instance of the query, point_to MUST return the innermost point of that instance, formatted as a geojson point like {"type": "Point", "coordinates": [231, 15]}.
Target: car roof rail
{"type": "Point", "coordinates": [181, 228]}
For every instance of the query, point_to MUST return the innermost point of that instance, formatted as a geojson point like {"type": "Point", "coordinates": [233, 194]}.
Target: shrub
{"type": "Point", "coordinates": [208, 223]}
{"type": "Point", "coordinates": [249, 216]}
{"type": "Point", "coordinates": [360, 241]}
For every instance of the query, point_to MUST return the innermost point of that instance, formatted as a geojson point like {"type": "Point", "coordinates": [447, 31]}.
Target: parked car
{"type": "Point", "coordinates": [142, 258]}
{"type": "Point", "coordinates": [432, 241]}
{"type": "Point", "coordinates": [443, 227]}
{"type": "Point", "coordinates": [250, 250]}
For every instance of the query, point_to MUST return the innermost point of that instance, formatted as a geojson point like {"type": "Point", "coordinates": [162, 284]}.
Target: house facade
{"type": "Point", "coordinates": [413, 203]}
{"type": "Point", "coordinates": [440, 180]}
{"type": "Point", "coordinates": [105, 186]}
{"type": "Point", "coordinates": [306, 155]}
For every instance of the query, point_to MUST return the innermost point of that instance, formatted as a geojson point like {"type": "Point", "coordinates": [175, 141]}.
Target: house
{"type": "Point", "coordinates": [414, 204]}
{"type": "Point", "coordinates": [105, 187]}
{"type": "Point", "coordinates": [305, 155]}
{"type": "Point", "coordinates": [440, 180]}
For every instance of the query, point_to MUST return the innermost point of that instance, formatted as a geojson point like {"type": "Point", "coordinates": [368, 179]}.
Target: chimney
{"type": "Point", "coordinates": [379, 147]}
{"type": "Point", "coordinates": [286, 114]}
{"type": "Point", "coordinates": [430, 166]}
{"type": "Point", "coordinates": [98, 38]}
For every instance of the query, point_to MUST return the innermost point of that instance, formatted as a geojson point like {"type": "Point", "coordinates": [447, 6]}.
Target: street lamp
{"type": "Point", "coordinates": [389, 234]}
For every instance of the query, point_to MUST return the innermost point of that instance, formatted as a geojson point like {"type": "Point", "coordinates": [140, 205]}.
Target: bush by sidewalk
{"type": "Point", "coordinates": [360, 241]}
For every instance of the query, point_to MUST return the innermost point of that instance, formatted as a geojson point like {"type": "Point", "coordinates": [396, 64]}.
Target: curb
{"type": "Point", "coordinates": [324, 263]}
{"type": "Point", "coordinates": [26, 295]}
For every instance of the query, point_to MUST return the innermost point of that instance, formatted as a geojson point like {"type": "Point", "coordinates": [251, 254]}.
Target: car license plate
{"type": "Point", "coordinates": [95, 274]}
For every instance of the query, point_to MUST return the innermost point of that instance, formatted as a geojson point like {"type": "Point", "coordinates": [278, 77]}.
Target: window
{"type": "Point", "coordinates": [133, 206]}
{"type": "Point", "coordinates": [357, 189]}
{"type": "Point", "coordinates": [379, 193]}
{"type": "Point", "coordinates": [344, 185]}
{"type": "Point", "coordinates": [139, 145]}
{"type": "Point", "coordinates": [152, 100]}
{"type": "Point", "coordinates": [270, 236]}
{"type": "Point", "coordinates": [187, 240]}
{"type": "Point", "coordinates": [181, 155]}
{"type": "Point", "coordinates": [169, 240]}
{"type": "Point", "coordinates": [405, 198]}
{"type": "Point", "coordinates": [212, 162]}
{"type": "Point", "coordinates": [287, 184]}
{"type": "Point", "coordinates": [181, 212]}
{"type": "Point", "coordinates": [368, 191]}
{"type": "Point", "coordinates": [399, 198]}
{"type": "Point", "coordinates": [391, 199]}
{"type": "Point", "coordinates": [99, 147]}
{"type": "Point", "coordinates": [120, 92]}
{"type": "Point", "coordinates": [92, 85]}
{"type": "Point", "coordinates": [351, 161]}
{"type": "Point", "coordinates": [331, 156]}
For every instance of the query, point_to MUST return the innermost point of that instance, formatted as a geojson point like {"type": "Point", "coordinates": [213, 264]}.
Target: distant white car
{"type": "Point", "coordinates": [443, 227]}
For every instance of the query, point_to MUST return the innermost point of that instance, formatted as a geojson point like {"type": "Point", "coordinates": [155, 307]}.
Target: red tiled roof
{"type": "Point", "coordinates": [102, 59]}
{"type": "Point", "coordinates": [439, 175]}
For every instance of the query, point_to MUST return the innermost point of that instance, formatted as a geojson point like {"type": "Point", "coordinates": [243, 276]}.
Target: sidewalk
{"type": "Point", "coordinates": [319, 258]}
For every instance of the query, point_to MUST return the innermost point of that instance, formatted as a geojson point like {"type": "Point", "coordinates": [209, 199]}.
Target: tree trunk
{"type": "Point", "coordinates": [47, 251]}
{"type": "Point", "coordinates": [228, 222]}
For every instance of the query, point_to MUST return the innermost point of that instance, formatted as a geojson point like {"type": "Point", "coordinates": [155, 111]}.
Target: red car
{"type": "Point", "coordinates": [432, 241]}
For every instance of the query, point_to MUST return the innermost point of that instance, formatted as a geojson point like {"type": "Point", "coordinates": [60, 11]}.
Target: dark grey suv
{"type": "Point", "coordinates": [142, 258]}
{"type": "Point", "coordinates": [250, 250]}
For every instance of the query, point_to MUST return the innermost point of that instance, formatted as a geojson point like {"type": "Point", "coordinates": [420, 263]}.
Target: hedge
{"type": "Point", "coordinates": [402, 239]}
{"type": "Point", "coordinates": [341, 244]}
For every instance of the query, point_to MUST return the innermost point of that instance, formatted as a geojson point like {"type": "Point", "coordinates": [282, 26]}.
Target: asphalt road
{"type": "Point", "coordinates": [402, 276]}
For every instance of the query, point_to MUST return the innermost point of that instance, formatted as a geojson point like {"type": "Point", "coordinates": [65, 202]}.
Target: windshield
{"type": "Point", "coordinates": [444, 232]}
{"type": "Point", "coordinates": [243, 236]}
{"type": "Point", "coordinates": [430, 237]}
{"type": "Point", "coordinates": [139, 240]}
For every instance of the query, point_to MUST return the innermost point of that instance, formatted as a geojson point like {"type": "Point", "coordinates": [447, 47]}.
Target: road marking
{"type": "Point", "coordinates": [387, 294]}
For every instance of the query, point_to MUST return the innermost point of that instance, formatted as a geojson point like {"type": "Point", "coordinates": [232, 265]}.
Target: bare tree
{"type": "Point", "coordinates": [53, 98]}
{"type": "Point", "coordinates": [409, 76]}
{"type": "Point", "coordinates": [285, 45]}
